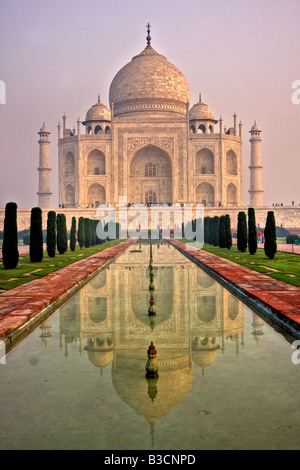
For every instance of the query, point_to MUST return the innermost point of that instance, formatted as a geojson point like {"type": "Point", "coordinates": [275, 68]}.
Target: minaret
{"type": "Point", "coordinates": [44, 192]}
{"type": "Point", "coordinates": [256, 191]}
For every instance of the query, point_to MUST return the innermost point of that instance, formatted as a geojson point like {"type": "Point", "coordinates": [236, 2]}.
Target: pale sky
{"type": "Point", "coordinates": [57, 55]}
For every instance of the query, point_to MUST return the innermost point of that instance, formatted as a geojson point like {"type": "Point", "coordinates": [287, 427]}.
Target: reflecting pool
{"type": "Point", "coordinates": [226, 378]}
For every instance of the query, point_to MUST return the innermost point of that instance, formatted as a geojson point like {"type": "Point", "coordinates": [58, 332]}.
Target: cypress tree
{"type": "Point", "coordinates": [206, 229]}
{"type": "Point", "coordinates": [216, 225]}
{"type": "Point", "coordinates": [222, 232]}
{"type": "Point", "coordinates": [93, 232]}
{"type": "Point", "coordinates": [98, 231]}
{"type": "Point", "coordinates": [228, 231]}
{"type": "Point", "coordinates": [87, 233]}
{"type": "Point", "coordinates": [118, 230]}
{"type": "Point", "coordinates": [81, 232]}
{"type": "Point", "coordinates": [270, 236]}
{"type": "Point", "coordinates": [62, 234]}
{"type": "Point", "coordinates": [73, 235]}
{"type": "Point", "coordinates": [10, 252]}
{"type": "Point", "coordinates": [252, 233]}
{"type": "Point", "coordinates": [36, 235]}
{"type": "Point", "coordinates": [211, 231]}
{"type": "Point", "coordinates": [51, 234]}
{"type": "Point", "coordinates": [242, 232]}
{"type": "Point", "coordinates": [95, 222]}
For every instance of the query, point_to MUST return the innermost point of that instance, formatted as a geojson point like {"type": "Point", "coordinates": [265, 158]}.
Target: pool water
{"type": "Point", "coordinates": [226, 379]}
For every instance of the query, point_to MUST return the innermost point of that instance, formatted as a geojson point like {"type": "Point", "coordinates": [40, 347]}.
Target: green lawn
{"type": "Point", "coordinates": [287, 265]}
{"type": "Point", "coordinates": [27, 271]}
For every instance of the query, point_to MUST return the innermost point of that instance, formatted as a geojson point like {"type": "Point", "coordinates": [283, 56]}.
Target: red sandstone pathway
{"type": "Point", "coordinates": [284, 299]}
{"type": "Point", "coordinates": [19, 305]}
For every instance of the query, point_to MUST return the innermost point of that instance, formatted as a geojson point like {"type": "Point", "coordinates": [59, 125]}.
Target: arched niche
{"type": "Point", "coordinates": [96, 195]}
{"type": "Point", "coordinates": [204, 280]}
{"type": "Point", "coordinates": [95, 164]}
{"type": "Point", "coordinates": [99, 282]}
{"type": "Point", "coordinates": [206, 308]}
{"type": "Point", "coordinates": [231, 163]}
{"type": "Point", "coordinates": [233, 307]}
{"type": "Point", "coordinates": [231, 195]}
{"type": "Point", "coordinates": [204, 162]}
{"type": "Point", "coordinates": [68, 164]}
{"type": "Point", "coordinates": [201, 129]}
{"type": "Point", "coordinates": [97, 309]}
{"type": "Point", "coordinates": [205, 194]}
{"type": "Point", "coordinates": [69, 195]}
{"type": "Point", "coordinates": [98, 130]}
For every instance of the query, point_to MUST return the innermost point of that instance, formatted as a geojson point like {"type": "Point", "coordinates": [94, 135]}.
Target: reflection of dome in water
{"type": "Point", "coordinates": [46, 331]}
{"type": "Point", "coordinates": [163, 304]}
{"type": "Point", "coordinates": [257, 327]}
{"type": "Point", "coordinates": [100, 351]}
{"type": "Point", "coordinates": [134, 389]}
{"type": "Point", "coordinates": [204, 351]}
{"type": "Point", "coordinates": [163, 294]}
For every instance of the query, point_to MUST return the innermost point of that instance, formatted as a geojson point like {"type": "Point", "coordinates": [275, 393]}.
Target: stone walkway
{"type": "Point", "coordinates": [21, 305]}
{"type": "Point", "coordinates": [279, 300]}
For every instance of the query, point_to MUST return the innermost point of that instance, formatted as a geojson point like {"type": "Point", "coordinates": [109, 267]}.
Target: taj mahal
{"type": "Point", "coordinates": [153, 147]}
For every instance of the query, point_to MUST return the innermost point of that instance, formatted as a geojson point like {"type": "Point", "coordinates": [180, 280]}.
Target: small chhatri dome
{"type": "Point", "coordinates": [255, 128]}
{"type": "Point", "coordinates": [201, 112]}
{"type": "Point", "coordinates": [43, 130]}
{"type": "Point", "coordinates": [98, 112]}
{"type": "Point", "coordinates": [149, 83]}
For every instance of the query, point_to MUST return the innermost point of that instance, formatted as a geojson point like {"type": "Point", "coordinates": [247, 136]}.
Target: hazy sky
{"type": "Point", "coordinates": [57, 55]}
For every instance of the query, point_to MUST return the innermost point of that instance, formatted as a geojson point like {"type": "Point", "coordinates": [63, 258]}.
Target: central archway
{"type": "Point", "coordinates": [150, 173]}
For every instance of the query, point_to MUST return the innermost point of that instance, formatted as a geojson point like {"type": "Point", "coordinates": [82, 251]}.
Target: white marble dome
{"type": "Point", "coordinates": [149, 83]}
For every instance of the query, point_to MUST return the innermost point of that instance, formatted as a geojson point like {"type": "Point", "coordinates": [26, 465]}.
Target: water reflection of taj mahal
{"type": "Point", "coordinates": [196, 320]}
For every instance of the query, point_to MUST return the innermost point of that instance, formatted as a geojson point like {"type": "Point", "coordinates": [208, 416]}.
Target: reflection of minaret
{"type": "Point", "coordinates": [257, 325]}
{"type": "Point", "coordinates": [100, 350]}
{"type": "Point", "coordinates": [204, 351]}
{"type": "Point", "coordinates": [46, 331]}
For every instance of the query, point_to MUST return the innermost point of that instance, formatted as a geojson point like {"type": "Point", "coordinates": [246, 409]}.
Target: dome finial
{"type": "Point", "coordinates": [200, 98]}
{"type": "Point", "coordinates": [98, 97]}
{"type": "Point", "coordinates": [148, 37]}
